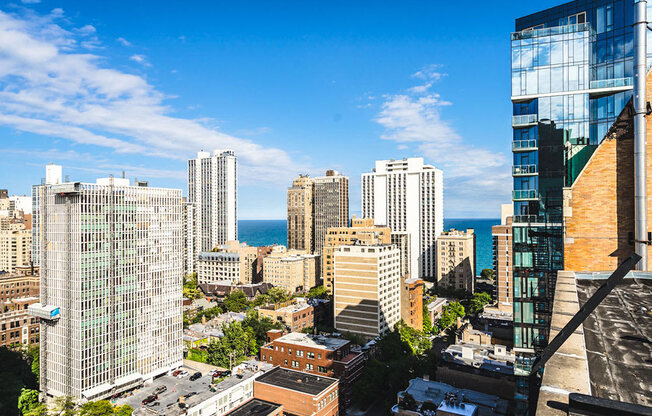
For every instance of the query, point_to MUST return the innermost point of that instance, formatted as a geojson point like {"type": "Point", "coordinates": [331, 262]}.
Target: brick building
{"type": "Point", "coordinates": [456, 259]}
{"type": "Point", "coordinates": [17, 292]}
{"type": "Point", "coordinates": [319, 355]}
{"type": "Point", "coordinates": [412, 303]}
{"type": "Point", "coordinates": [301, 394]}
{"type": "Point", "coordinates": [294, 315]}
{"type": "Point", "coordinates": [502, 257]}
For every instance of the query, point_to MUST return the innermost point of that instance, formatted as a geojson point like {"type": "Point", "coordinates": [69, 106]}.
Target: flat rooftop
{"type": "Point", "coordinates": [296, 380]}
{"type": "Point", "coordinates": [254, 407]}
{"type": "Point", "coordinates": [618, 339]}
{"type": "Point", "coordinates": [307, 340]}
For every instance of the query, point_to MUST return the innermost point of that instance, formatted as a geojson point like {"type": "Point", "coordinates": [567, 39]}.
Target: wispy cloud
{"type": "Point", "coordinates": [30, 1]}
{"type": "Point", "coordinates": [123, 41]}
{"type": "Point", "coordinates": [476, 179]}
{"type": "Point", "coordinates": [52, 84]}
{"type": "Point", "coordinates": [141, 59]}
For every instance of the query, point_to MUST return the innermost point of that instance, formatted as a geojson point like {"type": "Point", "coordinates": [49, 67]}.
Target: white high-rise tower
{"type": "Point", "coordinates": [111, 285]}
{"type": "Point", "coordinates": [407, 196]}
{"type": "Point", "coordinates": [213, 190]}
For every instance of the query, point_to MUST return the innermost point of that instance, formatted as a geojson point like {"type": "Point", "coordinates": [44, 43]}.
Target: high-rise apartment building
{"type": "Point", "coordinates": [15, 245]}
{"type": "Point", "coordinates": [367, 289]}
{"type": "Point", "coordinates": [300, 214]}
{"type": "Point", "coordinates": [362, 231]}
{"type": "Point", "coordinates": [330, 205]}
{"type": "Point", "coordinates": [315, 205]}
{"type": "Point", "coordinates": [456, 259]}
{"type": "Point", "coordinates": [111, 279]}
{"type": "Point", "coordinates": [189, 229]}
{"type": "Point", "coordinates": [407, 196]}
{"type": "Point", "coordinates": [572, 74]}
{"type": "Point", "coordinates": [502, 259]}
{"type": "Point", "coordinates": [213, 189]}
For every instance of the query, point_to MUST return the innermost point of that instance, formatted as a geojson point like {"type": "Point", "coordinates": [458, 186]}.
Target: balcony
{"type": "Point", "coordinates": [524, 170]}
{"type": "Point", "coordinates": [525, 195]}
{"type": "Point", "coordinates": [612, 83]}
{"type": "Point", "coordinates": [524, 145]}
{"type": "Point", "coordinates": [548, 31]}
{"type": "Point", "coordinates": [525, 120]}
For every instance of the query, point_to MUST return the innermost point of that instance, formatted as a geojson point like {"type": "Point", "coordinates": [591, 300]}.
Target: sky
{"type": "Point", "coordinates": [291, 86]}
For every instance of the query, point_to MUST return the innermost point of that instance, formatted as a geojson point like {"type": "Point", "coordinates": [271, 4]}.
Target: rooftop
{"type": "Point", "coordinates": [297, 381]}
{"type": "Point", "coordinates": [307, 340]}
{"type": "Point", "coordinates": [493, 358]}
{"type": "Point", "coordinates": [436, 392]}
{"type": "Point", "coordinates": [218, 256]}
{"type": "Point", "coordinates": [289, 308]}
{"type": "Point", "coordinates": [254, 407]}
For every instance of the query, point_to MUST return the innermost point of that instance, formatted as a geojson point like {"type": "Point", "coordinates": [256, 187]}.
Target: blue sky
{"type": "Point", "coordinates": [292, 87]}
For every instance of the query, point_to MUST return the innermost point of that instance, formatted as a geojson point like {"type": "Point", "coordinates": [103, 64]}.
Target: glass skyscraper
{"type": "Point", "coordinates": [572, 74]}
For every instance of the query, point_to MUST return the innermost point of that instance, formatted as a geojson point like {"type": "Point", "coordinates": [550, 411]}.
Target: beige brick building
{"type": "Point", "coordinates": [292, 270]}
{"type": "Point", "coordinates": [300, 214]}
{"type": "Point", "coordinates": [367, 290]}
{"type": "Point", "coordinates": [233, 261]}
{"type": "Point", "coordinates": [330, 205]}
{"type": "Point", "coordinates": [502, 256]}
{"type": "Point", "coordinates": [15, 246]}
{"type": "Point", "coordinates": [456, 259]}
{"type": "Point", "coordinates": [362, 231]}
{"type": "Point", "coordinates": [295, 315]}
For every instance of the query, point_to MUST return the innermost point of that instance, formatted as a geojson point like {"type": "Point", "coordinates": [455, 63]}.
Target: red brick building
{"type": "Point", "coordinates": [17, 292]}
{"type": "Point", "coordinates": [319, 355]}
{"type": "Point", "coordinates": [300, 394]}
{"type": "Point", "coordinates": [412, 303]}
{"type": "Point", "coordinates": [294, 315]}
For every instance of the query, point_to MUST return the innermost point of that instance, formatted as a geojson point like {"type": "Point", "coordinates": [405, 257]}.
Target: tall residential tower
{"type": "Point", "coordinates": [407, 196]}
{"type": "Point", "coordinates": [213, 190]}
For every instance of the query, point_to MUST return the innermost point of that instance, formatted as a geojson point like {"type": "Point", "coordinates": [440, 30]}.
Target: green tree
{"type": "Point", "coordinates": [237, 344]}
{"type": "Point", "coordinates": [27, 400]}
{"type": "Point", "coordinates": [407, 402]}
{"type": "Point", "coordinates": [427, 323]}
{"type": "Point", "coordinates": [277, 294]}
{"type": "Point", "coordinates": [40, 409]}
{"type": "Point", "coordinates": [97, 408]}
{"type": "Point", "coordinates": [65, 406]}
{"type": "Point", "coordinates": [15, 374]}
{"type": "Point", "coordinates": [418, 341]}
{"type": "Point", "coordinates": [236, 301]}
{"type": "Point", "coordinates": [259, 327]}
{"type": "Point", "coordinates": [33, 354]}
{"type": "Point", "coordinates": [318, 292]}
{"type": "Point", "coordinates": [478, 302]}
{"type": "Point", "coordinates": [449, 315]}
{"type": "Point", "coordinates": [190, 288]}
{"type": "Point", "coordinates": [487, 274]}
{"type": "Point", "coordinates": [124, 410]}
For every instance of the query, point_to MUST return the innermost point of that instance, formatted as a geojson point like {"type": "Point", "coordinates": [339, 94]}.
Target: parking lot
{"type": "Point", "coordinates": [176, 387]}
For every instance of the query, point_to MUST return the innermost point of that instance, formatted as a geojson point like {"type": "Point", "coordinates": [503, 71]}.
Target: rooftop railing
{"type": "Point", "coordinates": [549, 31]}
{"type": "Point", "coordinates": [612, 83]}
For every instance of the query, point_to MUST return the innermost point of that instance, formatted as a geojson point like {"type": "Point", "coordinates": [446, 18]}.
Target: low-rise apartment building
{"type": "Point", "coordinates": [292, 270]}
{"type": "Point", "coordinates": [456, 259]}
{"type": "Point", "coordinates": [233, 261]}
{"type": "Point", "coordinates": [17, 292]}
{"type": "Point", "coordinates": [294, 315]}
{"type": "Point", "coordinates": [301, 394]}
{"type": "Point", "coordinates": [319, 355]}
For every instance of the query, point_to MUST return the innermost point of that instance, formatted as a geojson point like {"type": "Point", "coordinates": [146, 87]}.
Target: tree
{"type": "Point", "coordinates": [407, 402]}
{"type": "Point", "coordinates": [318, 292]}
{"type": "Point", "coordinates": [417, 340]}
{"type": "Point", "coordinates": [478, 302]}
{"type": "Point", "coordinates": [27, 400]}
{"type": "Point", "coordinates": [190, 289]}
{"type": "Point", "coordinates": [236, 344]}
{"type": "Point", "coordinates": [98, 408]}
{"type": "Point", "coordinates": [236, 301]}
{"type": "Point", "coordinates": [124, 410]}
{"type": "Point", "coordinates": [15, 374]}
{"type": "Point", "coordinates": [277, 294]}
{"type": "Point", "coordinates": [487, 274]}
{"type": "Point", "coordinates": [449, 315]}
{"type": "Point", "coordinates": [259, 327]}
{"type": "Point", "coordinates": [427, 323]}
{"type": "Point", "coordinates": [65, 406]}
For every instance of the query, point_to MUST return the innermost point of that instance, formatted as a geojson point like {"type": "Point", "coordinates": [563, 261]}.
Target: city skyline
{"type": "Point", "coordinates": [148, 102]}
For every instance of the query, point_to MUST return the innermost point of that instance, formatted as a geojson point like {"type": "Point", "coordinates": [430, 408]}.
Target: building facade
{"type": "Point", "coordinates": [15, 246]}
{"type": "Point", "coordinates": [234, 262]}
{"type": "Point", "coordinates": [300, 214]}
{"type": "Point", "coordinates": [111, 280]}
{"type": "Point", "coordinates": [331, 206]}
{"type": "Point", "coordinates": [213, 189]}
{"type": "Point", "coordinates": [361, 231]}
{"type": "Point", "coordinates": [407, 196]}
{"type": "Point", "coordinates": [502, 259]}
{"type": "Point", "coordinates": [293, 315]}
{"type": "Point", "coordinates": [17, 292]}
{"type": "Point", "coordinates": [189, 229]}
{"type": "Point", "coordinates": [292, 270]}
{"type": "Point", "coordinates": [412, 303]}
{"type": "Point", "coordinates": [367, 291]}
{"type": "Point", "coordinates": [456, 259]}
{"type": "Point", "coordinates": [572, 74]}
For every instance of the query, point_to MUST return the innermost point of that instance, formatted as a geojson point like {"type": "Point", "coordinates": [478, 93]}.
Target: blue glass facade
{"type": "Point", "coordinates": [572, 74]}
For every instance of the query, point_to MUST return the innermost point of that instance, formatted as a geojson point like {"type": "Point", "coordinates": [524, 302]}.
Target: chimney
{"type": "Point", "coordinates": [459, 322]}
{"type": "Point", "coordinates": [203, 319]}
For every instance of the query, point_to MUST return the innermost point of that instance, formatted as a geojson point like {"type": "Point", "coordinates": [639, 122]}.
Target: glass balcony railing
{"type": "Point", "coordinates": [523, 170]}
{"type": "Point", "coordinates": [527, 219]}
{"type": "Point", "coordinates": [525, 119]}
{"type": "Point", "coordinates": [524, 194]}
{"type": "Point", "coordinates": [612, 83]}
{"type": "Point", "coordinates": [524, 145]}
{"type": "Point", "coordinates": [548, 31]}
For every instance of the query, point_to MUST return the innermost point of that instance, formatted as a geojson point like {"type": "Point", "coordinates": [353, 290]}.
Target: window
{"type": "Point", "coordinates": [310, 355]}
{"type": "Point", "coordinates": [322, 369]}
{"type": "Point", "coordinates": [309, 367]}
{"type": "Point", "coordinates": [299, 353]}
{"type": "Point", "coordinates": [295, 364]}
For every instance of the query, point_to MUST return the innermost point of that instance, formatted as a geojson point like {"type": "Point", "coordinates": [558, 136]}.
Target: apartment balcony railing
{"type": "Point", "coordinates": [524, 120]}
{"type": "Point", "coordinates": [527, 219]}
{"type": "Point", "coordinates": [525, 195]}
{"type": "Point", "coordinates": [548, 31]}
{"type": "Point", "coordinates": [524, 145]}
{"type": "Point", "coordinates": [612, 83]}
{"type": "Point", "coordinates": [524, 170]}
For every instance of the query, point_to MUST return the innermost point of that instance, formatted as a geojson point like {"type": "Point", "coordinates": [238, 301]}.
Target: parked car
{"type": "Point", "coordinates": [212, 373]}
{"type": "Point", "coordinates": [160, 389]}
{"type": "Point", "coordinates": [177, 372]}
{"type": "Point", "coordinates": [222, 373]}
{"type": "Point", "coordinates": [149, 399]}
{"type": "Point", "coordinates": [182, 374]}
{"type": "Point", "coordinates": [195, 376]}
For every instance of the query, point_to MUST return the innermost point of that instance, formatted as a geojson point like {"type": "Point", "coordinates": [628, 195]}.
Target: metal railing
{"type": "Point", "coordinates": [525, 119]}
{"type": "Point", "coordinates": [523, 170]}
{"type": "Point", "coordinates": [524, 194]}
{"type": "Point", "coordinates": [548, 31]}
{"type": "Point", "coordinates": [524, 145]}
{"type": "Point", "coordinates": [612, 83]}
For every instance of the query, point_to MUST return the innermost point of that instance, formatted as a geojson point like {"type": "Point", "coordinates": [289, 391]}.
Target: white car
{"type": "Point", "coordinates": [183, 374]}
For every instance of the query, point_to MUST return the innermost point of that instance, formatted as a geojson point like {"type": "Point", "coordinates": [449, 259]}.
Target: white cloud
{"type": "Point", "coordinates": [123, 41]}
{"type": "Point", "coordinates": [139, 58]}
{"type": "Point", "coordinates": [30, 1]}
{"type": "Point", "coordinates": [476, 180]}
{"type": "Point", "coordinates": [52, 86]}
